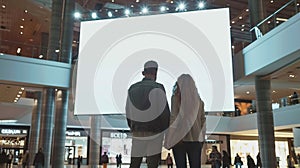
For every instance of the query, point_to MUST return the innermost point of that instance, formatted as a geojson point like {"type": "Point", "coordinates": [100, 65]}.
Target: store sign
{"type": "Point", "coordinates": [118, 135]}
{"type": "Point", "coordinates": [10, 131]}
{"type": "Point", "coordinates": [73, 133]}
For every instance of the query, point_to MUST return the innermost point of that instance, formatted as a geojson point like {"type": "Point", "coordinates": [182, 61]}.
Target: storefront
{"type": "Point", "coordinates": [116, 142]}
{"type": "Point", "coordinates": [14, 140]}
{"type": "Point", "coordinates": [76, 145]}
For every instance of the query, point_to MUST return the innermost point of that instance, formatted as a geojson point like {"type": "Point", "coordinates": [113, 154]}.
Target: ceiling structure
{"type": "Point", "coordinates": [22, 23]}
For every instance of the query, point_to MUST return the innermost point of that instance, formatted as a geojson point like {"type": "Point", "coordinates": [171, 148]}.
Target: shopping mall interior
{"type": "Point", "coordinates": [39, 55]}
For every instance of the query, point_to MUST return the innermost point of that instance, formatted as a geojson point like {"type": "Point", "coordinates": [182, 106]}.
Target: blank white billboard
{"type": "Point", "coordinates": [112, 53]}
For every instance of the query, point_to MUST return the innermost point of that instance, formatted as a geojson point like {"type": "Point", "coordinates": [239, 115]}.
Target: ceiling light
{"type": "Point", "coordinates": [247, 92]}
{"type": "Point", "coordinates": [243, 25]}
{"type": "Point", "coordinates": [55, 90]}
{"type": "Point", "coordinates": [145, 10]}
{"type": "Point", "coordinates": [57, 50]}
{"type": "Point", "coordinates": [233, 22]}
{"type": "Point", "coordinates": [242, 29]}
{"type": "Point", "coordinates": [15, 101]}
{"type": "Point", "coordinates": [172, 2]}
{"type": "Point", "coordinates": [247, 10]}
{"type": "Point", "coordinates": [274, 91]}
{"type": "Point", "coordinates": [241, 17]}
{"type": "Point", "coordinates": [109, 14]}
{"type": "Point", "coordinates": [132, 6]}
{"type": "Point", "coordinates": [137, 1]}
{"type": "Point", "coordinates": [3, 6]}
{"type": "Point", "coordinates": [271, 1]}
{"type": "Point", "coordinates": [18, 95]}
{"type": "Point", "coordinates": [21, 27]}
{"type": "Point", "coordinates": [16, 98]}
{"type": "Point", "coordinates": [277, 21]}
{"type": "Point", "coordinates": [23, 19]}
{"type": "Point", "coordinates": [297, 4]}
{"type": "Point", "coordinates": [201, 5]}
{"type": "Point", "coordinates": [127, 12]}
{"type": "Point", "coordinates": [112, 1]}
{"type": "Point", "coordinates": [19, 50]}
{"type": "Point", "coordinates": [77, 15]}
{"type": "Point", "coordinates": [181, 6]}
{"type": "Point", "coordinates": [22, 88]}
{"type": "Point", "coordinates": [21, 32]}
{"type": "Point", "coordinates": [281, 19]}
{"type": "Point", "coordinates": [116, 10]}
{"type": "Point", "coordinates": [269, 22]}
{"type": "Point", "coordinates": [26, 11]}
{"type": "Point", "coordinates": [20, 92]}
{"type": "Point", "coordinates": [41, 56]}
{"type": "Point", "coordinates": [1, 54]}
{"type": "Point", "coordinates": [233, 47]}
{"type": "Point", "coordinates": [94, 15]}
{"type": "Point", "coordinates": [162, 8]}
{"type": "Point", "coordinates": [292, 76]}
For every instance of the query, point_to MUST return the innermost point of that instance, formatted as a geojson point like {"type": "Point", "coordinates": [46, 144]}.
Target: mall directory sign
{"type": "Point", "coordinates": [112, 53]}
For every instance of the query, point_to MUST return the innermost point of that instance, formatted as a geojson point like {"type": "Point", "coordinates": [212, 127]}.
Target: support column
{"type": "Point", "coordinates": [95, 141]}
{"type": "Point", "coordinates": [35, 127]}
{"type": "Point", "coordinates": [45, 141]}
{"type": "Point", "coordinates": [62, 109]}
{"type": "Point", "coordinates": [265, 123]}
{"type": "Point", "coordinates": [257, 14]}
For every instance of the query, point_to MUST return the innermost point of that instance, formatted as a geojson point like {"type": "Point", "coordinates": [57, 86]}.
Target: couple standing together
{"type": "Point", "coordinates": [153, 124]}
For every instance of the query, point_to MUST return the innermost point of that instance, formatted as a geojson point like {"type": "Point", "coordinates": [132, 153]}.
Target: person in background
{"type": "Point", "coordinates": [225, 159]}
{"type": "Point", "coordinates": [294, 98]}
{"type": "Point", "coordinates": [169, 161]}
{"type": "Point", "coordinates": [119, 160]}
{"type": "Point", "coordinates": [79, 161]}
{"type": "Point", "coordinates": [290, 162]}
{"type": "Point", "coordinates": [215, 157]}
{"type": "Point", "coordinates": [10, 158]}
{"type": "Point", "coordinates": [104, 160]}
{"type": "Point", "coordinates": [25, 160]}
{"type": "Point", "coordinates": [250, 162]}
{"type": "Point", "coordinates": [3, 159]}
{"type": "Point", "coordinates": [258, 160]}
{"type": "Point", "coordinates": [39, 159]}
{"type": "Point", "coordinates": [238, 161]}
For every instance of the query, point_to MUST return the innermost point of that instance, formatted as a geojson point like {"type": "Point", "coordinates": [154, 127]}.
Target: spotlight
{"type": "Point", "coordinates": [77, 15]}
{"type": "Point", "coordinates": [163, 9]}
{"type": "Point", "coordinates": [109, 14]}
{"type": "Point", "coordinates": [201, 5]}
{"type": "Point", "coordinates": [127, 12]}
{"type": "Point", "coordinates": [94, 15]}
{"type": "Point", "coordinates": [181, 6]}
{"type": "Point", "coordinates": [145, 10]}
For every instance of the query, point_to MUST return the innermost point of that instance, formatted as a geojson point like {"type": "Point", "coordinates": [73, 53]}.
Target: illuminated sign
{"type": "Point", "coordinates": [118, 135]}
{"type": "Point", "coordinates": [10, 131]}
{"type": "Point", "coordinates": [73, 133]}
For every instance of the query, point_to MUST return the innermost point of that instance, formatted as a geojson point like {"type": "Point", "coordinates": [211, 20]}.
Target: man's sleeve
{"type": "Point", "coordinates": [127, 109]}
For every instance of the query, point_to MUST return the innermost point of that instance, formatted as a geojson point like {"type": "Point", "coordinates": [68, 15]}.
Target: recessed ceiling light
{"type": "Point", "coordinates": [18, 95]}
{"type": "Point", "coordinates": [291, 75]}
{"type": "Point", "coordinates": [271, 1]}
{"type": "Point", "coordinates": [19, 50]}
{"type": "Point", "coordinates": [57, 51]}
{"type": "Point", "coordinates": [233, 22]}
{"type": "Point", "coordinates": [20, 92]}
{"type": "Point", "coordinates": [41, 56]}
{"type": "Point", "coordinates": [242, 29]}
{"type": "Point", "coordinates": [247, 92]}
{"type": "Point", "coordinates": [243, 25]}
{"type": "Point", "coordinates": [112, 1]}
{"type": "Point", "coordinates": [21, 32]}
{"type": "Point", "coordinates": [3, 6]}
{"type": "Point", "coordinates": [232, 47]}
{"type": "Point", "coordinates": [26, 11]}
{"type": "Point", "coordinates": [132, 6]}
{"type": "Point", "coordinates": [274, 91]}
{"type": "Point", "coordinates": [172, 2]}
{"type": "Point", "coordinates": [22, 88]}
{"type": "Point", "coordinates": [269, 22]}
{"type": "Point", "coordinates": [15, 101]}
{"type": "Point", "coordinates": [137, 1]}
{"type": "Point", "coordinates": [241, 17]}
{"type": "Point", "coordinates": [247, 10]}
{"type": "Point", "coordinates": [23, 19]}
{"type": "Point", "coordinates": [21, 27]}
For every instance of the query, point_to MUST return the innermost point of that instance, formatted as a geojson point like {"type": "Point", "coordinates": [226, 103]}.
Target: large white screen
{"type": "Point", "coordinates": [112, 53]}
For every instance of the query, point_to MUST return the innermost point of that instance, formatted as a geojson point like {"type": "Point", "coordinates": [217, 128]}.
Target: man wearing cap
{"type": "Point", "coordinates": [148, 114]}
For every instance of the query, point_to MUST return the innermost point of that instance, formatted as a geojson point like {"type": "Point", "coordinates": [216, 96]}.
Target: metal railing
{"type": "Point", "coordinates": [258, 33]}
